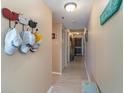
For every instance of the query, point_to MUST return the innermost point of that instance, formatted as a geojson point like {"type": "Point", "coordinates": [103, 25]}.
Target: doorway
{"type": "Point", "coordinates": [78, 46]}
{"type": "Point", "coordinates": [75, 44]}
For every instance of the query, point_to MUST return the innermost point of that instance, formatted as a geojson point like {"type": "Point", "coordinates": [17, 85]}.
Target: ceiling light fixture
{"type": "Point", "coordinates": [70, 7]}
{"type": "Point", "coordinates": [77, 33]}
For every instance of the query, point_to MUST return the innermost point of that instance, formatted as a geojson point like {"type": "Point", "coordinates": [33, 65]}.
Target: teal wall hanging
{"type": "Point", "coordinates": [111, 8]}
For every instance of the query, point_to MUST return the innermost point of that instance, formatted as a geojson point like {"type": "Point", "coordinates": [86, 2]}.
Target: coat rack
{"type": "Point", "coordinates": [13, 16]}
{"type": "Point", "coordinates": [31, 44]}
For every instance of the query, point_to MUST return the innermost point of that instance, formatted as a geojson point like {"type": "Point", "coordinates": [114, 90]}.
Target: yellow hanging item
{"type": "Point", "coordinates": [38, 37]}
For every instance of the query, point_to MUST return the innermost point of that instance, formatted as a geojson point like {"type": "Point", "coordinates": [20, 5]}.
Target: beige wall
{"type": "Point", "coordinates": [30, 73]}
{"type": "Point", "coordinates": [57, 48]}
{"type": "Point", "coordinates": [104, 58]}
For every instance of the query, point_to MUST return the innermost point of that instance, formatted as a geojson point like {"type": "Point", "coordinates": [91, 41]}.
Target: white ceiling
{"type": "Point", "coordinates": [75, 20]}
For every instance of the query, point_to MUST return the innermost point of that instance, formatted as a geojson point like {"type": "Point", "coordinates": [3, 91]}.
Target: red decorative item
{"type": "Point", "coordinates": [10, 14]}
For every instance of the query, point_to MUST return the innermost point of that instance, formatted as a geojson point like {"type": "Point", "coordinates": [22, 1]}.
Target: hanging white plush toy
{"type": "Point", "coordinates": [12, 41]}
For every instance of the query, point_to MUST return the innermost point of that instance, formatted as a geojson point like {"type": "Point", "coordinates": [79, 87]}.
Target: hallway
{"type": "Point", "coordinates": [62, 46]}
{"type": "Point", "coordinates": [70, 80]}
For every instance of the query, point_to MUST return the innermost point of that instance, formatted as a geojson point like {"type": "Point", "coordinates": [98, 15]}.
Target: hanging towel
{"type": "Point", "coordinates": [12, 41]}
{"type": "Point", "coordinates": [24, 48]}
{"type": "Point", "coordinates": [28, 41]}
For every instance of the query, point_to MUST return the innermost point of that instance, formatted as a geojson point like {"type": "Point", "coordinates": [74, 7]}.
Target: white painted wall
{"type": "Point", "coordinates": [57, 48]}
{"type": "Point", "coordinates": [29, 73]}
{"type": "Point", "coordinates": [105, 49]}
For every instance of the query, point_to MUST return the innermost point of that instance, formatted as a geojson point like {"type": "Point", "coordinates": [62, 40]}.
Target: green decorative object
{"type": "Point", "coordinates": [111, 8]}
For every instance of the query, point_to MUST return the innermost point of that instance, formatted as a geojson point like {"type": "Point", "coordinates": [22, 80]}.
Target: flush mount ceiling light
{"type": "Point", "coordinates": [70, 7]}
{"type": "Point", "coordinates": [77, 33]}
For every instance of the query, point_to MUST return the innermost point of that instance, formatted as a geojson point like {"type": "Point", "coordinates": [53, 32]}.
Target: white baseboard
{"type": "Point", "coordinates": [57, 73]}
{"type": "Point", "coordinates": [88, 75]}
{"type": "Point", "coordinates": [50, 89]}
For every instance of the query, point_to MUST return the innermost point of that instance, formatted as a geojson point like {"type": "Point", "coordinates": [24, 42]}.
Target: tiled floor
{"type": "Point", "coordinates": [70, 80]}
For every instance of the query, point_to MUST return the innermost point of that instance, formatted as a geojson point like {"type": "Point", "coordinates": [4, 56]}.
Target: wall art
{"type": "Point", "coordinates": [111, 8]}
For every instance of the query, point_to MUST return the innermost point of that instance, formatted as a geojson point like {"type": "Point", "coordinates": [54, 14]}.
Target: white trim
{"type": "Point", "coordinates": [57, 73]}
{"type": "Point", "coordinates": [50, 89]}
{"type": "Point", "coordinates": [88, 75]}
{"type": "Point", "coordinates": [60, 47]}
{"type": "Point", "coordinates": [85, 57]}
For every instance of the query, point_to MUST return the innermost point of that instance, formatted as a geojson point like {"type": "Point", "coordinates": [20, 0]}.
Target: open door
{"type": "Point", "coordinates": [78, 46]}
